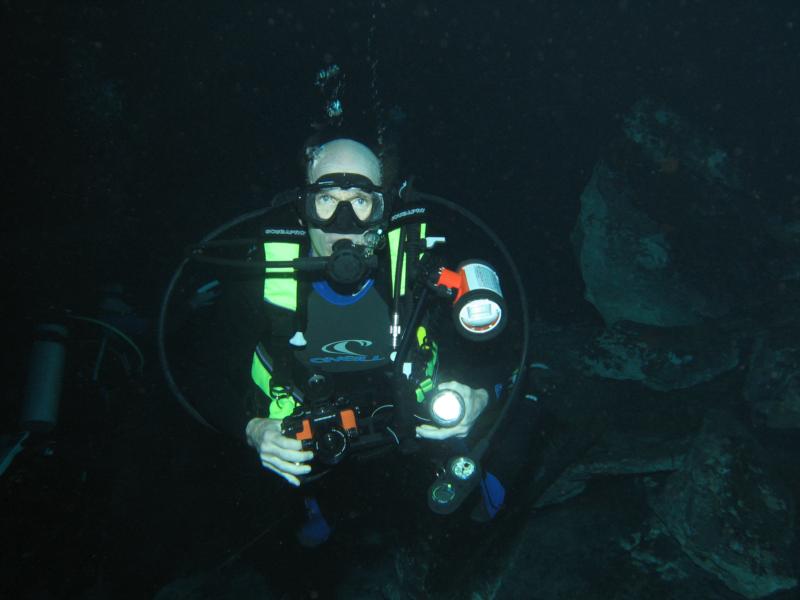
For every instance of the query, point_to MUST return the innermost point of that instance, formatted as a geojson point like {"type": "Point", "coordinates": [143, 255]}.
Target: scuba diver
{"type": "Point", "coordinates": [348, 327]}
{"type": "Point", "coordinates": [332, 349]}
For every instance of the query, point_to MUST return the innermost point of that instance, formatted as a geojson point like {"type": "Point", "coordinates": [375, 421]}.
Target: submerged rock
{"type": "Point", "coordinates": [773, 381]}
{"type": "Point", "coordinates": [619, 454]}
{"type": "Point", "coordinates": [671, 144]}
{"type": "Point", "coordinates": [665, 235]}
{"type": "Point", "coordinates": [662, 359]}
{"type": "Point", "coordinates": [728, 513]}
{"type": "Point", "coordinates": [652, 550]}
{"type": "Point", "coordinates": [627, 262]}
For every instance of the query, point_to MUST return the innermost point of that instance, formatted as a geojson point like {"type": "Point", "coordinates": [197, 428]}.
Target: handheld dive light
{"type": "Point", "coordinates": [479, 310]}
{"type": "Point", "coordinates": [447, 408]}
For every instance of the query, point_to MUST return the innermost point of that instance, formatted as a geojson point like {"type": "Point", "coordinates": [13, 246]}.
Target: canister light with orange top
{"type": "Point", "coordinates": [479, 309]}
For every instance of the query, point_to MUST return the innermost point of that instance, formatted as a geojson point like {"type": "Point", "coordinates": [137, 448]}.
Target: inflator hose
{"type": "Point", "coordinates": [162, 317]}
{"type": "Point", "coordinates": [483, 444]}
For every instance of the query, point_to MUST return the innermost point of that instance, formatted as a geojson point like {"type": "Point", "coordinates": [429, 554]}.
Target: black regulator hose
{"type": "Point", "coordinates": [162, 317]}
{"type": "Point", "coordinates": [483, 444]}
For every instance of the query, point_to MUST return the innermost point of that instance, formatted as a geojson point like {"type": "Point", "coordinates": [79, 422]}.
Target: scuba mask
{"type": "Point", "coordinates": [343, 203]}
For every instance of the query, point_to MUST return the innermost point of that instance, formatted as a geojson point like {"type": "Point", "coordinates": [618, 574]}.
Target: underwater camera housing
{"type": "Point", "coordinates": [326, 430]}
{"type": "Point", "coordinates": [326, 425]}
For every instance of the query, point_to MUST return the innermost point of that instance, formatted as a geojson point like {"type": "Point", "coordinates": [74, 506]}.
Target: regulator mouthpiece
{"type": "Point", "coordinates": [350, 264]}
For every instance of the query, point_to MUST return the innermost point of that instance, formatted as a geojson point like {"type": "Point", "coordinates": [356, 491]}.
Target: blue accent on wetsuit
{"type": "Point", "coordinates": [324, 289]}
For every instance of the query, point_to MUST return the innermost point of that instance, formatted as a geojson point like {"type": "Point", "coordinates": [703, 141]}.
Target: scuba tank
{"type": "Point", "coordinates": [45, 378]}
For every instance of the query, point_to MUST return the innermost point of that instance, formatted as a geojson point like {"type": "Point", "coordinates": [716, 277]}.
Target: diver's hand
{"type": "Point", "coordinates": [474, 403]}
{"type": "Point", "coordinates": [277, 452]}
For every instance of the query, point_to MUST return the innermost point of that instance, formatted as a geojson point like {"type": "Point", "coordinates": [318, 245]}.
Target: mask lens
{"type": "Point", "coordinates": [366, 206]}
{"type": "Point", "coordinates": [324, 205]}
{"type": "Point", "coordinates": [362, 206]}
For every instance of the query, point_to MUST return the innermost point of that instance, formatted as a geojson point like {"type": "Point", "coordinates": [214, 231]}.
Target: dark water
{"type": "Point", "coordinates": [131, 129]}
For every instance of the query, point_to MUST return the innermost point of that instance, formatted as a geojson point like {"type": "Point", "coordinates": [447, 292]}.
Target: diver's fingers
{"type": "Point", "coordinates": [283, 467]}
{"type": "Point", "coordinates": [288, 443]}
{"type": "Point", "coordinates": [290, 478]}
{"type": "Point", "coordinates": [293, 456]}
{"type": "Point", "coordinates": [453, 385]}
{"type": "Point", "coordinates": [431, 432]}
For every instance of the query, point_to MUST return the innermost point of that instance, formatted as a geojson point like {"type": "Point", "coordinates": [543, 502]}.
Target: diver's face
{"type": "Point", "coordinates": [325, 205]}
